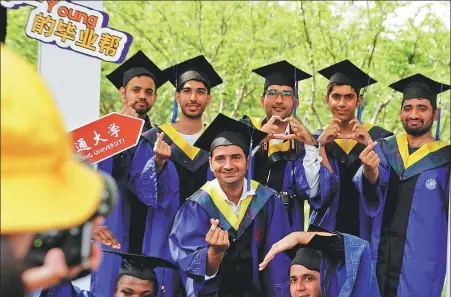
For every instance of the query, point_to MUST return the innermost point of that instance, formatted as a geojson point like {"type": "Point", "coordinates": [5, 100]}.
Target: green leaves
{"type": "Point", "coordinates": [238, 36]}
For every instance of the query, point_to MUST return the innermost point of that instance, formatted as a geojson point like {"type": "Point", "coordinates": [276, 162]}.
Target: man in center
{"type": "Point", "coordinates": [279, 158]}
{"type": "Point", "coordinates": [227, 226]}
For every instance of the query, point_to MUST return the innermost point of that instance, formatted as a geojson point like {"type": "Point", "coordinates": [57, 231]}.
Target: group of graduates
{"type": "Point", "coordinates": [218, 209]}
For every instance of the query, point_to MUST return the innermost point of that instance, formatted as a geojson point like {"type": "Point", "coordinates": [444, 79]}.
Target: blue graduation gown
{"type": "Point", "coordinates": [337, 208]}
{"type": "Point", "coordinates": [353, 277]}
{"type": "Point", "coordinates": [63, 290]}
{"type": "Point", "coordinates": [409, 207]}
{"type": "Point", "coordinates": [267, 217]}
{"type": "Point", "coordinates": [119, 221]}
{"type": "Point", "coordinates": [164, 193]}
{"type": "Point", "coordinates": [273, 166]}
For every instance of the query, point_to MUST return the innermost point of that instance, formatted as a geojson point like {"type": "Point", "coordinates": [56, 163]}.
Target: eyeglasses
{"type": "Point", "coordinates": [273, 94]}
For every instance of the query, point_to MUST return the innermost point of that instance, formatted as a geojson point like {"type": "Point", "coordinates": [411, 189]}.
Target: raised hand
{"type": "Point", "coordinates": [271, 126]}
{"type": "Point", "coordinates": [369, 157]}
{"type": "Point", "coordinates": [370, 160]}
{"type": "Point", "coordinates": [300, 133]}
{"type": "Point", "coordinates": [127, 108]}
{"type": "Point", "coordinates": [330, 133]}
{"type": "Point", "coordinates": [361, 134]}
{"type": "Point", "coordinates": [217, 238]}
{"type": "Point", "coordinates": [103, 235]}
{"type": "Point", "coordinates": [161, 150]}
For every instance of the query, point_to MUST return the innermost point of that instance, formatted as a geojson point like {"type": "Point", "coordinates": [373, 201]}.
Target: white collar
{"type": "Point", "coordinates": [245, 193]}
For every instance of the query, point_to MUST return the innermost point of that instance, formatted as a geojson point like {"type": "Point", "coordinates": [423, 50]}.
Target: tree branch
{"type": "Point", "coordinates": [241, 91]}
{"type": "Point", "coordinates": [143, 35]}
{"type": "Point", "coordinates": [381, 107]}
{"type": "Point", "coordinates": [324, 37]}
{"type": "Point", "coordinates": [182, 37]}
{"type": "Point", "coordinates": [199, 25]}
{"type": "Point", "coordinates": [224, 30]}
{"type": "Point", "coordinates": [312, 66]}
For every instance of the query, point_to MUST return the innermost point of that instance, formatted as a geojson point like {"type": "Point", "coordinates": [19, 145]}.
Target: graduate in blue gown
{"type": "Point", "coordinates": [343, 260]}
{"type": "Point", "coordinates": [278, 162]}
{"type": "Point", "coordinates": [166, 168]}
{"type": "Point", "coordinates": [407, 196]}
{"type": "Point", "coordinates": [340, 143]}
{"type": "Point", "coordinates": [137, 80]}
{"type": "Point", "coordinates": [224, 229]}
{"type": "Point", "coordinates": [136, 277]}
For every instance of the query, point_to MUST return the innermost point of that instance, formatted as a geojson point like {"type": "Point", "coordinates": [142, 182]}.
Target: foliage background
{"type": "Point", "coordinates": [238, 36]}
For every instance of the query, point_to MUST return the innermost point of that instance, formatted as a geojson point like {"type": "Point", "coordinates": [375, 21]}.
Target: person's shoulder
{"type": "Point", "coordinates": [151, 135]}
{"type": "Point", "coordinates": [377, 132]}
{"type": "Point", "coordinates": [261, 189]}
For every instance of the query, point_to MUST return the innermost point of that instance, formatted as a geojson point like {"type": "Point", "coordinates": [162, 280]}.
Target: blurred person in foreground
{"type": "Point", "coordinates": [40, 178]}
{"type": "Point", "coordinates": [136, 278]}
{"type": "Point", "coordinates": [345, 267]}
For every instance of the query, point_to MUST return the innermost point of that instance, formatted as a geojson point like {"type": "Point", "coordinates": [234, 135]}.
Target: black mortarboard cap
{"type": "Point", "coordinates": [419, 86]}
{"type": "Point", "coordinates": [307, 257]}
{"type": "Point", "coordinates": [140, 266]}
{"type": "Point", "coordinates": [3, 22]}
{"type": "Point", "coordinates": [197, 68]}
{"type": "Point", "coordinates": [224, 131]}
{"type": "Point", "coordinates": [137, 65]}
{"type": "Point", "coordinates": [281, 73]}
{"type": "Point", "coordinates": [347, 73]}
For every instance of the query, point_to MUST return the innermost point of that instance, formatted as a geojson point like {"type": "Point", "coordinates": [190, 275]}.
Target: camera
{"type": "Point", "coordinates": [287, 200]}
{"type": "Point", "coordinates": [74, 242]}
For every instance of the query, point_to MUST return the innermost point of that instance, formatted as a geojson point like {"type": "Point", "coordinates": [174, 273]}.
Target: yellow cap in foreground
{"type": "Point", "coordinates": [43, 187]}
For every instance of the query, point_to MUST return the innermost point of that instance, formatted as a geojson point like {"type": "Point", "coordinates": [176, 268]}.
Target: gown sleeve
{"type": "Point", "coordinates": [277, 228]}
{"type": "Point", "coordinates": [153, 190]}
{"type": "Point", "coordinates": [354, 276]}
{"type": "Point", "coordinates": [373, 196]}
{"type": "Point", "coordinates": [187, 244]}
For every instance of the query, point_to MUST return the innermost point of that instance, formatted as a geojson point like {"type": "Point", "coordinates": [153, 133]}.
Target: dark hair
{"type": "Point", "coordinates": [205, 84]}
{"type": "Point", "coordinates": [10, 274]}
{"type": "Point", "coordinates": [153, 279]}
{"type": "Point", "coordinates": [433, 103]}
{"type": "Point", "coordinates": [331, 86]}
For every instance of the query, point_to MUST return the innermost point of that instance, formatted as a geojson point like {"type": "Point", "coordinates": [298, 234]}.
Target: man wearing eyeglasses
{"type": "Point", "coordinates": [278, 159]}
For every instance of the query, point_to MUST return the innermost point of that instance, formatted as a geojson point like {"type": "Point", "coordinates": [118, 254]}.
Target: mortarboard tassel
{"type": "Point", "coordinates": [250, 166]}
{"type": "Point", "coordinates": [437, 129]}
{"type": "Point", "coordinates": [360, 109]}
{"type": "Point", "coordinates": [175, 108]}
{"type": "Point", "coordinates": [295, 93]}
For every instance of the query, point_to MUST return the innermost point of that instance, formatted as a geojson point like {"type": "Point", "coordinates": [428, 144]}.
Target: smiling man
{"type": "Point", "coordinates": [278, 162]}
{"type": "Point", "coordinates": [408, 196]}
{"type": "Point", "coordinates": [136, 278]}
{"type": "Point", "coordinates": [137, 81]}
{"type": "Point", "coordinates": [222, 231]}
{"type": "Point", "coordinates": [305, 274]}
{"type": "Point", "coordinates": [327, 264]}
{"type": "Point", "coordinates": [340, 144]}
{"type": "Point", "coordinates": [166, 168]}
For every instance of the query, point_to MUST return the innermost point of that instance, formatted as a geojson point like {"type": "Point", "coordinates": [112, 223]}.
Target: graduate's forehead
{"type": "Point", "coordinates": [413, 102]}
{"type": "Point", "coordinates": [300, 270]}
{"type": "Point", "coordinates": [280, 88]}
{"type": "Point", "coordinates": [194, 84]}
{"type": "Point", "coordinates": [142, 81]}
{"type": "Point", "coordinates": [226, 150]}
{"type": "Point", "coordinates": [342, 89]}
{"type": "Point", "coordinates": [136, 284]}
